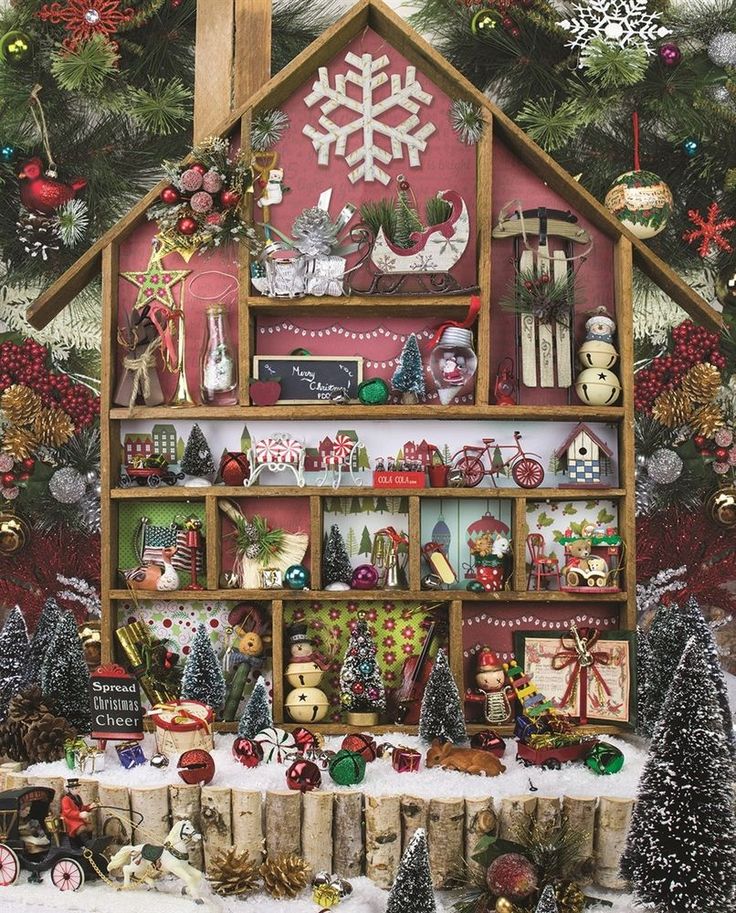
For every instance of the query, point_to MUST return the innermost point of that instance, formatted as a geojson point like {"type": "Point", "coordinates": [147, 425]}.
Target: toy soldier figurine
{"type": "Point", "coordinates": [75, 814]}
{"type": "Point", "coordinates": [491, 690]}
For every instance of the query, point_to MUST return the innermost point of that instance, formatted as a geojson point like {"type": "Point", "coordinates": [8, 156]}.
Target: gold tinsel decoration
{"type": "Point", "coordinates": [53, 427]}
{"type": "Point", "coordinates": [19, 442]}
{"type": "Point", "coordinates": [570, 899]}
{"type": "Point", "coordinates": [285, 876]}
{"type": "Point", "coordinates": [233, 873]}
{"type": "Point", "coordinates": [672, 408]}
{"type": "Point", "coordinates": [707, 420]}
{"type": "Point", "coordinates": [702, 382]}
{"type": "Point", "coordinates": [20, 404]}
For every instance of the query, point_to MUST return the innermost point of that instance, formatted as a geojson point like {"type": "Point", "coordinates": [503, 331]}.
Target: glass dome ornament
{"type": "Point", "coordinates": [453, 363]}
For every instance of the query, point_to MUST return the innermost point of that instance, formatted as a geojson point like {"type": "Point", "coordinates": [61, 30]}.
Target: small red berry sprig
{"type": "Point", "coordinates": [692, 345]}
{"type": "Point", "coordinates": [27, 364]}
{"type": "Point", "coordinates": [14, 474]}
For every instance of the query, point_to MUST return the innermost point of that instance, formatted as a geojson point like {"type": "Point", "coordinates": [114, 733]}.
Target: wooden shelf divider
{"type": "Point", "coordinates": [415, 543]}
{"type": "Point", "coordinates": [278, 645]}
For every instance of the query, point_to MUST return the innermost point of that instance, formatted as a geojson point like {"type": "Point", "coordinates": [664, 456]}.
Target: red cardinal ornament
{"type": "Point", "coordinates": [43, 192]}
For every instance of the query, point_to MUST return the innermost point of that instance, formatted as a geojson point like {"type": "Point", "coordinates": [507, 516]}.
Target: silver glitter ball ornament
{"type": "Point", "coordinates": [664, 466]}
{"type": "Point", "coordinates": [67, 485]}
{"type": "Point", "coordinates": [722, 49]}
{"type": "Point", "coordinates": [92, 16]}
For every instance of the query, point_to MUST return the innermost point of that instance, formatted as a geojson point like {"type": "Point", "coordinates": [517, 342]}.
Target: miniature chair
{"type": "Point", "coordinates": [541, 565]}
{"type": "Point", "coordinates": [344, 456]}
{"type": "Point", "coordinates": [277, 454]}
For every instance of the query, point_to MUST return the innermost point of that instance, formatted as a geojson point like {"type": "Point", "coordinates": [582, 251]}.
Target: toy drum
{"type": "Point", "coordinates": [182, 726]}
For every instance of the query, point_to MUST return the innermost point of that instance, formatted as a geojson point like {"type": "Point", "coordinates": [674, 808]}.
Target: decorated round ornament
{"type": "Point", "coordinates": [347, 767]}
{"type": "Point", "coordinates": [597, 387]}
{"type": "Point", "coordinates": [641, 201]}
{"type": "Point", "coordinates": [196, 767]}
{"type": "Point", "coordinates": [720, 507]}
{"type": "Point", "coordinates": [275, 743]}
{"type": "Point", "coordinates": [365, 577]}
{"type": "Point", "coordinates": [307, 705]}
{"type": "Point", "coordinates": [722, 49]}
{"type": "Point", "coordinates": [15, 47]}
{"type": "Point", "coordinates": [374, 392]}
{"type": "Point", "coordinates": [362, 743]}
{"type": "Point", "coordinates": [605, 758]}
{"type": "Point", "coordinates": [726, 287]}
{"type": "Point", "coordinates": [296, 577]}
{"type": "Point", "coordinates": [513, 876]}
{"type": "Point", "coordinates": [15, 533]}
{"type": "Point", "coordinates": [669, 54]}
{"type": "Point", "coordinates": [67, 485]}
{"type": "Point", "coordinates": [303, 776]}
{"type": "Point", "coordinates": [664, 466]}
{"type": "Point", "coordinates": [247, 752]}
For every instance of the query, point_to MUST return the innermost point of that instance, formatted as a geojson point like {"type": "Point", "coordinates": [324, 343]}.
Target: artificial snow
{"type": "Point", "coordinates": [572, 780]}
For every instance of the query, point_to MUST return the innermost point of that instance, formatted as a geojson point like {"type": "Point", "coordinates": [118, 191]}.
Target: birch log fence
{"type": "Point", "coordinates": [348, 832]}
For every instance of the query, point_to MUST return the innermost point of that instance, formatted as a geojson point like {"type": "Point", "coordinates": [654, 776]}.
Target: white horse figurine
{"type": "Point", "coordinates": [146, 861]}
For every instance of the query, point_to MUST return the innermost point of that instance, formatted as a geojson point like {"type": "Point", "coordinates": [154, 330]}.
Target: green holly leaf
{"type": "Point", "coordinates": [569, 510]}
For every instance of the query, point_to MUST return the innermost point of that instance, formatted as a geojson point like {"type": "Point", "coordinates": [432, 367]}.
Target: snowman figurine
{"type": "Point", "coordinates": [307, 703]}
{"type": "Point", "coordinates": [598, 350]}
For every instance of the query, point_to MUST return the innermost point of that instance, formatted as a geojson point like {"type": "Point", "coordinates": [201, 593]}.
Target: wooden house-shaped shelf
{"type": "Point", "coordinates": [504, 164]}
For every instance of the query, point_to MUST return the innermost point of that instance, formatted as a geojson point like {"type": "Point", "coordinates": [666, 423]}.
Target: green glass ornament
{"type": "Point", "coordinates": [8, 153]}
{"type": "Point", "coordinates": [296, 577]}
{"type": "Point", "coordinates": [483, 21]}
{"type": "Point", "coordinates": [373, 392]}
{"type": "Point", "coordinates": [15, 47]}
{"type": "Point", "coordinates": [605, 758]}
{"type": "Point", "coordinates": [347, 767]}
{"type": "Point", "coordinates": [690, 147]}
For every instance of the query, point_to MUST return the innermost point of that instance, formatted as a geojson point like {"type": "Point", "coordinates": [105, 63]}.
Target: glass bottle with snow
{"type": "Point", "coordinates": [218, 370]}
{"type": "Point", "coordinates": [453, 363]}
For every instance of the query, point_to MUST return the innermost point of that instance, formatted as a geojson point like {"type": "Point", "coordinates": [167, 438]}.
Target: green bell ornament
{"type": "Point", "coordinates": [605, 758]}
{"type": "Point", "coordinates": [373, 392]}
{"type": "Point", "coordinates": [347, 767]}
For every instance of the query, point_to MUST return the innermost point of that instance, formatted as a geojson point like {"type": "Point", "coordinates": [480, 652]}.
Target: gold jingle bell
{"type": "Point", "coordinates": [326, 895]}
{"type": "Point", "coordinates": [14, 533]}
{"type": "Point", "coordinates": [504, 905]}
{"type": "Point", "coordinates": [721, 507]}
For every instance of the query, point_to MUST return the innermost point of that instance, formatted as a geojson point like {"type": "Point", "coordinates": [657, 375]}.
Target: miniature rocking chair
{"type": "Point", "coordinates": [541, 565]}
{"type": "Point", "coordinates": [344, 456]}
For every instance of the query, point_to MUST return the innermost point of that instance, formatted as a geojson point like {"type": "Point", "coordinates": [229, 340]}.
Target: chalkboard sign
{"type": "Point", "coordinates": [116, 704]}
{"type": "Point", "coordinates": [310, 378]}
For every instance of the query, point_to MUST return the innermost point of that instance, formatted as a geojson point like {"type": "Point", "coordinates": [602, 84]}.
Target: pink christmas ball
{"type": "Point", "coordinates": [365, 577]}
{"type": "Point", "coordinates": [669, 54]}
{"type": "Point", "coordinates": [212, 182]}
{"type": "Point", "coordinates": [190, 180]}
{"type": "Point", "coordinates": [201, 201]}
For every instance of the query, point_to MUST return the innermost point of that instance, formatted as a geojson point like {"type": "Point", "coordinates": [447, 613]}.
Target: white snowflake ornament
{"type": "Point", "coordinates": [369, 156]}
{"type": "Point", "coordinates": [625, 23]}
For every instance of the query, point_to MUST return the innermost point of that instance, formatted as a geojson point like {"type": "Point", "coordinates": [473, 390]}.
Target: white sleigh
{"type": "Point", "coordinates": [426, 265]}
{"type": "Point", "coordinates": [277, 453]}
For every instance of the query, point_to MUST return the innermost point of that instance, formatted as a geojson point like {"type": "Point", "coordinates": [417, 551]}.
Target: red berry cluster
{"type": "Point", "coordinates": [692, 344]}
{"type": "Point", "coordinates": [14, 473]}
{"type": "Point", "coordinates": [27, 364]}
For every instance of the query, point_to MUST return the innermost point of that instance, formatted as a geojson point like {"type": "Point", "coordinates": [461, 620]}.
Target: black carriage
{"type": "Point", "coordinates": [32, 838]}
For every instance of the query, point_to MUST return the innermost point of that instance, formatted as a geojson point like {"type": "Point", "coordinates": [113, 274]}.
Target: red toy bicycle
{"type": "Point", "coordinates": [525, 468]}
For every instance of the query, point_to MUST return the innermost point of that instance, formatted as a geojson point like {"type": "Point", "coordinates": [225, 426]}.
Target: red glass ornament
{"type": "Point", "coordinates": [8, 479]}
{"type": "Point", "coordinates": [28, 463]}
{"type": "Point", "coordinates": [186, 225]}
{"type": "Point", "coordinates": [234, 468]}
{"type": "Point", "coordinates": [721, 454]}
{"type": "Point", "coordinates": [247, 752]}
{"type": "Point", "coordinates": [487, 740]}
{"type": "Point", "coordinates": [43, 192]}
{"type": "Point", "coordinates": [229, 198]}
{"type": "Point", "coordinates": [305, 739]}
{"type": "Point", "coordinates": [669, 54]}
{"type": "Point", "coordinates": [196, 767]}
{"type": "Point", "coordinates": [362, 743]}
{"type": "Point", "coordinates": [699, 441]}
{"type": "Point", "coordinates": [303, 776]}
{"type": "Point", "coordinates": [170, 196]}
{"type": "Point", "coordinates": [405, 760]}
{"type": "Point", "coordinates": [24, 477]}
{"type": "Point", "coordinates": [197, 166]}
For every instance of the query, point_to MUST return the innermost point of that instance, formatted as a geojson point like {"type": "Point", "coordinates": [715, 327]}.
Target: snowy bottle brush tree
{"type": "Point", "coordinates": [197, 462]}
{"type": "Point", "coordinates": [362, 692]}
{"type": "Point", "coordinates": [337, 571]}
{"type": "Point", "coordinates": [203, 679]}
{"type": "Point", "coordinates": [412, 890]}
{"type": "Point", "coordinates": [65, 676]}
{"type": "Point", "coordinates": [40, 641]}
{"type": "Point", "coordinates": [680, 854]}
{"type": "Point", "coordinates": [408, 377]}
{"type": "Point", "coordinates": [257, 712]}
{"type": "Point", "coordinates": [13, 657]}
{"type": "Point", "coordinates": [442, 716]}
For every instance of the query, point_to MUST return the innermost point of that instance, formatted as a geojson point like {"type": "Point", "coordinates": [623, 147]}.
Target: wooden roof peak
{"type": "Point", "coordinates": [377, 15]}
{"type": "Point", "coordinates": [581, 427]}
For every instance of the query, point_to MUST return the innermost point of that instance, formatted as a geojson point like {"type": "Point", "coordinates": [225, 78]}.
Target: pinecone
{"type": "Point", "coordinates": [253, 550]}
{"type": "Point", "coordinates": [20, 404]}
{"type": "Point", "coordinates": [11, 741]}
{"type": "Point", "coordinates": [702, 382]}
{"type": "Point", "coordinates": [44, 739]}
{"type": "Point", "coordinates": [570, 899]}
{"type": "Point", "coordinates": [18, 442]}
{"type": "Point", "coordinates": [250, 531]}
{"type": "Point", "coordinates": [53, 427]}
{"type": "Point", "coordinates": [672, 408]}
{"type": "Point", "coordinates": [707, 420]}
{"type": "Point", "coordinates": [38, 233]}
{"type": "Point", "coordinates": [285, 876]}
{"type": "Point", "coordinates": [232, 873]}
{"type": "Point", "coordinates": [315, 234]}
{"type": "Point", "coordinates": [28, 706]}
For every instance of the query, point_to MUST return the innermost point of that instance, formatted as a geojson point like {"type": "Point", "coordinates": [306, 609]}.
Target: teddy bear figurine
{"type": "Point", "coordinates": [491, 691]}
{"type": "Point", "coordinates": [584, 569]}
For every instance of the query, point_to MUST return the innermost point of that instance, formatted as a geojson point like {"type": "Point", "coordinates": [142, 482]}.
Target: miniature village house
{"type": "Point", "coordinates": [583, 456]}
{"type": "Point", "coordinates": [499, 446]}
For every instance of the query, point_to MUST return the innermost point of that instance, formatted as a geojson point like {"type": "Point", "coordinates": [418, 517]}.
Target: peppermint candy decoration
{"type": "Point", "coordinates": [276, 744]}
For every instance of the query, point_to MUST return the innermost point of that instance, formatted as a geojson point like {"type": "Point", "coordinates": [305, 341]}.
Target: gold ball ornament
{"type": "Point", "coordinates": [597, 387]}
{"type": "Point", "coordinates": [721, 507]}
{"type": "Point", "coordinates": [504, 905]}
{"type": "Point", "coordinates": [641, 201]}
{"type": "Point", "coordinates": [15, 534]}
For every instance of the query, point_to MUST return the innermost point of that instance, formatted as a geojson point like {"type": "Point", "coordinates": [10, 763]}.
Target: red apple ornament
{"type": "Point", "coordinates": [43, 192]}
{"type": "Point", "coordinates": [265, 392]}
{"type": "Point", "coordinates": [196, 767]}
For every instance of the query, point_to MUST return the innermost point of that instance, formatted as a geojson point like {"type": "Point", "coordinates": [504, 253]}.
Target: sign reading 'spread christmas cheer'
{"type": "Point", "coordinates": [116, 704]}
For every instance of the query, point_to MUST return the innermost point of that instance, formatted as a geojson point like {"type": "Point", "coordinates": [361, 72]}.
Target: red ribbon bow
{"type": "Point", "coordinates": [575, 651]}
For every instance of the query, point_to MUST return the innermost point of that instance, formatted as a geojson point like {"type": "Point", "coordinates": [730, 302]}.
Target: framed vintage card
{"type": "Point", "coordinates": [592, 676]}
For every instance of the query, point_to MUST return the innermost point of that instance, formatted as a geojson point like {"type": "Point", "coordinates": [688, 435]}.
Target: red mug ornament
{"type": "Point", "coordinates": [196, 767]}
